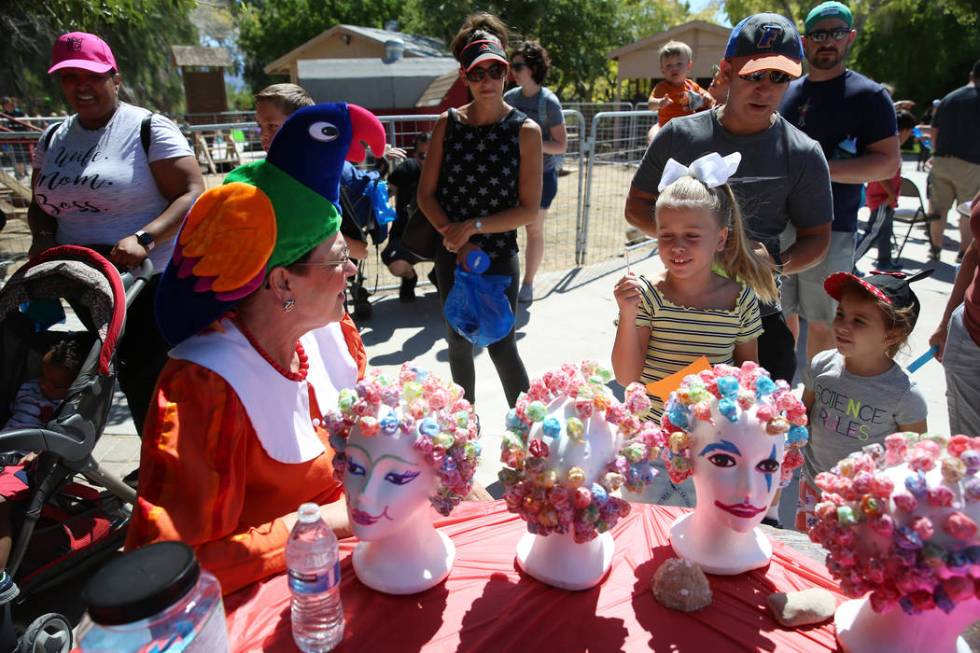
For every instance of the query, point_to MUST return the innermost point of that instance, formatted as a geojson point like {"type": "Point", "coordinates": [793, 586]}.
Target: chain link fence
{"type": "Point", "coordinates": [585, 225]}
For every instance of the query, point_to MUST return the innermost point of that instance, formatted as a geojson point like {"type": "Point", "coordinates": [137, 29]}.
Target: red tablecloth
{"type": "Point", "coordinates": [486, 604]}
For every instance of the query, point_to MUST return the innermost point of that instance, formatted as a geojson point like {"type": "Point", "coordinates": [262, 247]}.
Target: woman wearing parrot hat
{"type": "Point", "coordinates": [253, 302]}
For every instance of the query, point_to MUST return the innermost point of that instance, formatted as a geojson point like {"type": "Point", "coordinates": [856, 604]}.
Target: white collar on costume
{"type": "Point", "coordinates": [272, 401]}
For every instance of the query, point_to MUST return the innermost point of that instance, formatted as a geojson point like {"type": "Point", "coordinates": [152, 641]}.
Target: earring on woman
{"type": "Point", "coordinates": [288, 305]}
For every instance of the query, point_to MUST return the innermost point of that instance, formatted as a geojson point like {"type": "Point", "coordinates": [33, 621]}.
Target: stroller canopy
{"type": "Point", "coordinates": [86, 280]}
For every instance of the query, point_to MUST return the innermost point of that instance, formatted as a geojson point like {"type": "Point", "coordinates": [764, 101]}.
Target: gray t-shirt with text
{"type": "Point", "coordinates": [782, 179]}
{"type": "Point", "coordinates": [850, 412]}
{"type": "Point", "coordinates": [97, 183]}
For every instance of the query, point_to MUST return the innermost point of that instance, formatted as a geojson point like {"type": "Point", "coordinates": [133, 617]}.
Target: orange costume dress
{"type": "Point", "coordinates": [221, 478]}
{"type": "Point", "coordinates": [685, 100]}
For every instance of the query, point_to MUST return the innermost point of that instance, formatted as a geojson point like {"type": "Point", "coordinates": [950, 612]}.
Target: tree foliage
{"type": "Point", "coordinates": [924, 48]}
{"type": "Point", "coordinates": [140, 33]}
{"type": "Point", "coordinates": [578, 35]}
{"type": "Point", "coordinates": [269, 29]}
{"type": "Point", "coordinates": [937, 53]}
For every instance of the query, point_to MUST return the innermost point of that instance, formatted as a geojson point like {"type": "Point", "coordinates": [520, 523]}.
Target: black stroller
{"type": "Point", "coordinates": [65, 527]}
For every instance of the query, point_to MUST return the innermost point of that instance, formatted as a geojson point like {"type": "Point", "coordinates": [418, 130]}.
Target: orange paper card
{"type": "Point", "coordinates": [665, 386]}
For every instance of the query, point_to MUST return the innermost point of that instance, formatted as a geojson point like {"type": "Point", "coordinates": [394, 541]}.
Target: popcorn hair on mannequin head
{"type": "Point", "coordinates": [900, 522]}
{"type": "Point", "coordinates": [561, 469]}
{"type": "Point", "coordinates": [730, 391]}
{"type": "Point", "coordinates": [418, 405]}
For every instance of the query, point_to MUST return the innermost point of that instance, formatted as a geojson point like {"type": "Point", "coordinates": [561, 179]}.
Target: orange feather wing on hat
{"type": "Point", "coordinates": [227, 240]}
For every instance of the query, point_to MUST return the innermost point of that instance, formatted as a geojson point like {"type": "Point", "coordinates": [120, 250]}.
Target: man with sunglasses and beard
{"type": "Point", "coordinates": [782, 178]}
{"type": "Point", "coordinates": [853, 119]}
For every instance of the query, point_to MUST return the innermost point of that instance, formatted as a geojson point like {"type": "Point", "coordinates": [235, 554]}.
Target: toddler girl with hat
{"type": "Point", "coordinates": [856, 394]}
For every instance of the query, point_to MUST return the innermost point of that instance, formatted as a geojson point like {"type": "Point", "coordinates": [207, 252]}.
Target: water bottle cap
{"type": "Point", "coordinates": [477, 261]}
{"type": "Point", "coordinates": [166, 571]}
{"type": "Point", "coordinates": [308, 513]}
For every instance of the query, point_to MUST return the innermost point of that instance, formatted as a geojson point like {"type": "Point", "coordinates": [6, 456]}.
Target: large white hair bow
{"type": "Point", "coordinates": [712, 170]}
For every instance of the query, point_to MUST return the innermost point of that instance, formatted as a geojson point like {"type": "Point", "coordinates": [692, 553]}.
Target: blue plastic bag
{"type": "Point", "coordinates": [378, 193]}
{"type": "Point", "coordinates": [477, 307]}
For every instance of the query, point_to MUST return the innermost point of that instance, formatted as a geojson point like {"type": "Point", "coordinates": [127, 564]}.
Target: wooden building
{"type": "Point", "coordinates": [202, 70]}
{"type": "Point", "coordinates": [354, 42]}
{"type": "Point", "coordinates": [639, 65]}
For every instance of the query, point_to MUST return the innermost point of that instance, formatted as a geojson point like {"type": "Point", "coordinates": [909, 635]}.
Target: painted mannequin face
{"type": "Point", "coordinates": [388, 484]}
{"type": "Point", "coordinates": [736, 469]}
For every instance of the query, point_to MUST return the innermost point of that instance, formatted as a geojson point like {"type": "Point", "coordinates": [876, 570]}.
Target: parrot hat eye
{"type": "Point", "coordinates": [324, 131]}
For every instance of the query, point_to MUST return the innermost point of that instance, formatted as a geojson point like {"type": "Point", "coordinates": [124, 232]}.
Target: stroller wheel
{"type": "Point", "coordinates": [49, 633]}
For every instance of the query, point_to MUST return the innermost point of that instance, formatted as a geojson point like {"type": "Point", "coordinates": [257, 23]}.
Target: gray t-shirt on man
{"type": "Point", "coordinates": [850, 412]}
{"type": "Point", "coordinates": [783, 177]}
{"type": "Point", "coordinates": [531, 107]}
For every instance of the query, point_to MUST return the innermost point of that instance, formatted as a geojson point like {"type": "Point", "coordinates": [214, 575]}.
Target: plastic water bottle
{"type": "Point", "coordinates": [314, 580]}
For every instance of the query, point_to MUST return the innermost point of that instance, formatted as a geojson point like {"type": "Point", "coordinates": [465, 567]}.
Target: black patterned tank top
{"type": "Point", "coordinates": [479, 176]}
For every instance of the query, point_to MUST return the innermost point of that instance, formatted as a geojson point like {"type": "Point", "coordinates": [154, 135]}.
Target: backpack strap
{"type": "Point", "coordinates": [543, 116]}
{"type": "Point", "coordinates": [146, 132]}
{"type": "Point", "coordinates": [50, 134]}
{"type": "Point", "coordinates": [146, 129]}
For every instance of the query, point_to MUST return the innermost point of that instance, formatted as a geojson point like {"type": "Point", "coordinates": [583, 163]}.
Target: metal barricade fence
{"type": "Point", "coordinates": [590, 109]}
{"type": "Point", "coordinates": [616, 145]}
{"type": "Point", "coordinates": [219, 117]}
{"type": "Point", "coordinates": [16, 149]}
{"type": "Point", "coordinates": [585, 224]}
{"type": "Point", "coordinates": [221, 147]}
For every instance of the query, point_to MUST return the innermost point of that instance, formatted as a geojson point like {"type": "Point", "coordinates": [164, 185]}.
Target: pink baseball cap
{"type": "Point", "coordinates": [82, 50]}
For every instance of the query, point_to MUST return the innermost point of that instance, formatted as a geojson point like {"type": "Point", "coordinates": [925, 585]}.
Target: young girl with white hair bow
{"type": "Point", "coordinates": [705, 300]}
{"type": "Point", "coordinates": [704, 303]}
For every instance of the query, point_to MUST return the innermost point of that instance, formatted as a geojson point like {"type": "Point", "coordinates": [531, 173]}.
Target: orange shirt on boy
{"type": "Point", "coordinates": [682, 102]}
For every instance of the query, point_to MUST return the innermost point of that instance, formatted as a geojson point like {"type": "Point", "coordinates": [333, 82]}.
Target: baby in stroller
{"type": "Point", "coordinates": [33, 407]}
{"type": "Point", "coordinates": [37, 399]}
{"type": "Point", "coordinates": [64, 513]}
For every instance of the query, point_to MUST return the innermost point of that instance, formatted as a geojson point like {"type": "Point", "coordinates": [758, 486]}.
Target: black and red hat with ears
{"type": "Point", "coordinates": [890, 287]}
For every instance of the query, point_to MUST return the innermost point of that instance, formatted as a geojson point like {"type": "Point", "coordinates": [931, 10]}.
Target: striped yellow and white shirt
{"type": "Point", "coordinates": [681, 334]}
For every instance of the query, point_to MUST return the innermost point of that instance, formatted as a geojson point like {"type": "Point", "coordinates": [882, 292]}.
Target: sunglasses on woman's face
{"type": "Point", "coordinates": [775, 76]}
{"type": "Point", "coordinates": [820, 35]}
{"type": "Point", "coordinates": [495, 71]}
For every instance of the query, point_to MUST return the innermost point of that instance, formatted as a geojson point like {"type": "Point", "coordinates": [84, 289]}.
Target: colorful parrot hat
{"type": "Point", "coordinates": [266, 214]}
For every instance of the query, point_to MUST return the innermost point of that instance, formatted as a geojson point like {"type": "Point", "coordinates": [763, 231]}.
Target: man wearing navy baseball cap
{"type": "Point", "coordinates": [782, 179]}
{"type": "Point", "coordinates": [853, 119]}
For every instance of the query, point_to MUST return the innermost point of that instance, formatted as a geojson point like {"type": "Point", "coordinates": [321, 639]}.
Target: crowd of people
{"type": "Point", "coordinates": [751, 188]}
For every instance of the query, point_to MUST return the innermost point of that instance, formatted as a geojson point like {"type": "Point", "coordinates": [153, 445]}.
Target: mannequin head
{"type": "Point", "coordinates": [900, 522]}
{"type": "Point", "coordinates": [387, 482]}
{"type": "Point", "coordinates": [400, 443]}
{"type": "Point", "coordinates": [569, 444]}
{"type": "Point", "coordinates": [738, 433]}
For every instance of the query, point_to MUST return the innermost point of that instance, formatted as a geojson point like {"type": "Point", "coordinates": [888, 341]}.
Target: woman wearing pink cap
{"type": "Point", "coordinates": [481, 181]}
{"type": "Point", "coordinates": [120, 179]}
